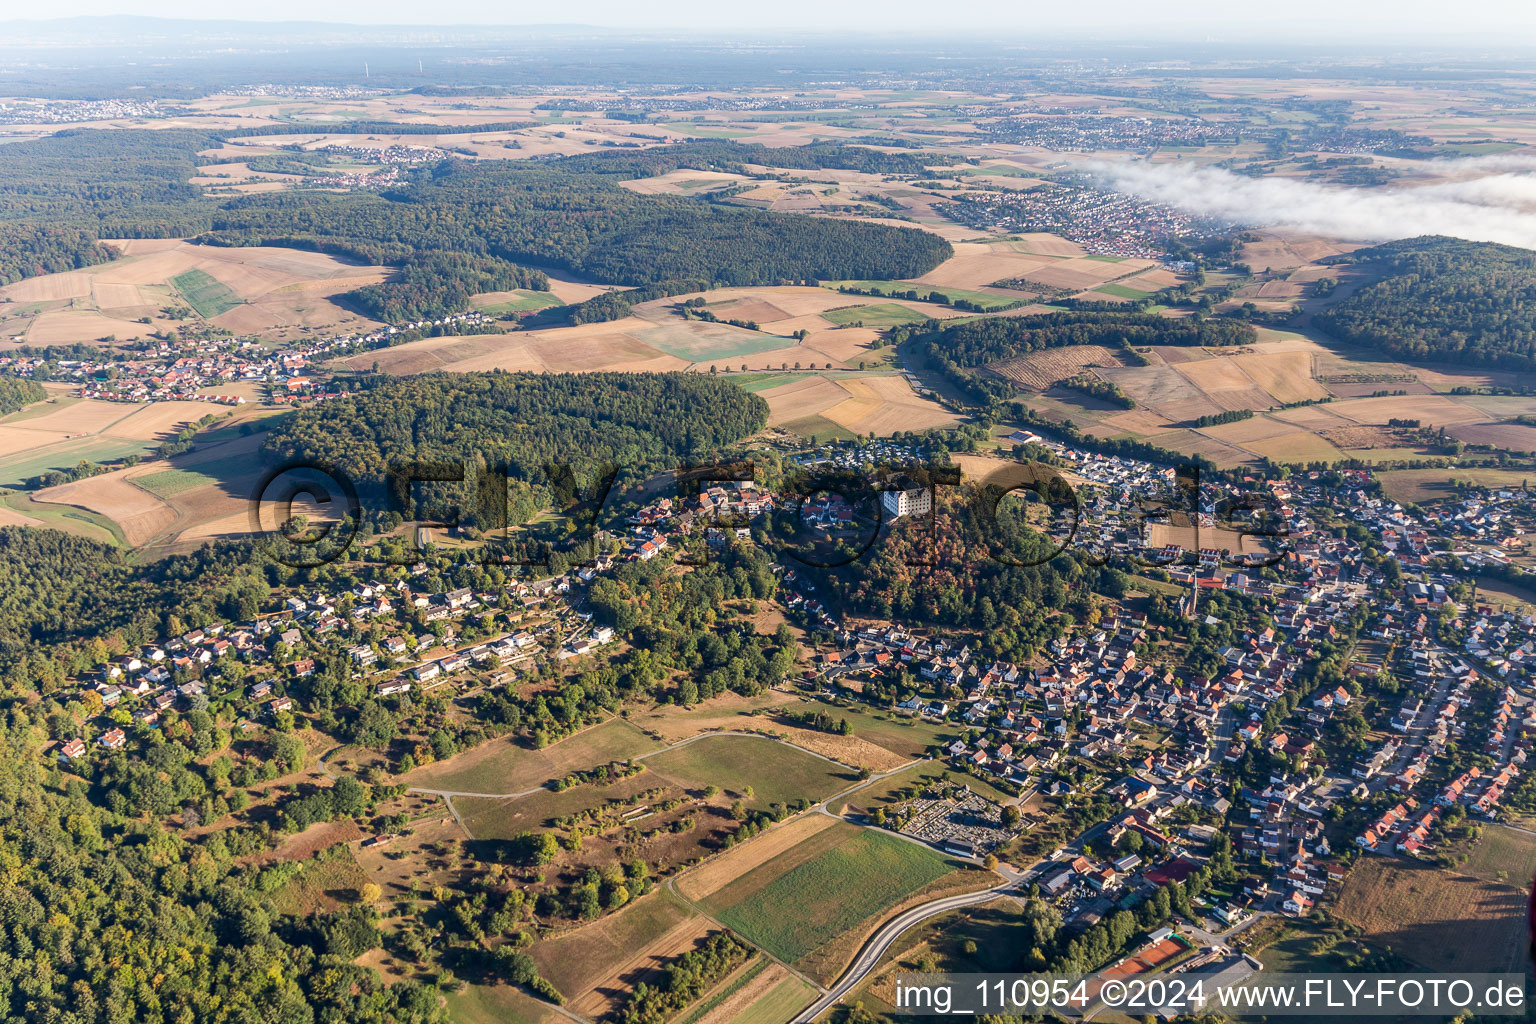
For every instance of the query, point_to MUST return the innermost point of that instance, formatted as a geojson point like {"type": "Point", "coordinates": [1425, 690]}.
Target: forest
{"type": "Point", "coordinates": [68, 599]}
{"type": "Point", "coordinates": [434, 283]}
{"type": "Point", "coordinates": [979, 342]}
{"type": "Point", "coordinates": [1443, 299]}
{"type": "Point", "coordinates": [584, 223]}
{"type": "Point", "coordinates": [31, 250]}
{"type": "Point", "coordinates": [451, 228]}
{"type": "Point", "coordinates": [19, 392]}
{"type": "Point", "coordinates": [521, 421]}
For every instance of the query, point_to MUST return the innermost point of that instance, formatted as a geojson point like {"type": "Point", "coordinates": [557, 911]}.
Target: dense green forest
{"type": "Point", "coordinates": [523, 421]}
{"type": "Point", "coordinates": [31, 250]}
{"type": "Point", "coordinates": [453, 227]}
{"type": "Point", "coordinates": [1443, 299]}
{"type": "Point", "coordinates": [979, 342]}
{"type": "Point", "coordinates": [438, 282]}
{"type": "Point", "coordinates": [735, 156]}
{"type": "Point", "coordinates": [19, 392]}
{"type": "Point", "coordinates": [584, 223]}
{"type": "Point", "coordinates": [111, 184]}
{"type": "Point", "coordinates": [66, 599]}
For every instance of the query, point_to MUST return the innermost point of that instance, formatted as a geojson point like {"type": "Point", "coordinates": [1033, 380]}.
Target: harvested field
{"type": "Point", "coordinates": [1045, 244]}
{"type": "Point", "coordinates": [684, 181]}
{"type": "Point", "coordinates": [847, 345]}
{"type": "Point", "coordinates": [607, 346]}
{"type": "Point", "coordinates": [1312, 417]}
{"type": "Point", "coordinates": [1299, 447]}
{"type": "Point", "coordinates": [1431, 410]}
{"type": "Point", "coordinates": [882, 404]}
{"type": "Point", "coordinates": [621, 948]}
{"type": "Point", "coordinates": [158, 421]}
{"type": "Point", "coordinates": [1220, 374]}
{"type": "Point", "coordinates": [1137, 421]}
{"type": "Point", "coordinates": [1442, 920]}
{"type": "Point", "coordinates": [976, 265]}
{"type": "Point", "coordinates": [1080, 274]}
{"type": "Point", "coordinates": [1286, 376]}
{"type": "Point", "coordinates": [1281, 252]}
{"type": "Point", "coordinates": [757, 310]}
{"type": "Point", "coordinates": [1259, 428]}
{"type": "Point", "coordinates": [801, 398]}
{"type": "Point", "coordinates": [242, 289]}
{"type": "Point", "coordinates": [1039, 370]}
{"type": "Point", "coordinates": [141, 515]}
{"type": "Point", "coordinates": [1164, 390]}
{"type": "Point", "coordinates": [1512, 436]}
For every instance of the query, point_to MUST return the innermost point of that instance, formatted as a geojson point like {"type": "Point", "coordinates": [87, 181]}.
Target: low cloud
{"type": "Point", "coordinates": [1499, 207]}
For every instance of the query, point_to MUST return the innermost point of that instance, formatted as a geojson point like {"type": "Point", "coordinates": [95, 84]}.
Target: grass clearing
{"type": "Point", "coordinates": [498, 1004]}
{"type": "Point", "coordinates": [579, 959]}
{"type": "Point", "coordinates": [755, 382]}
{"type": "Point", "coordinates": [900, 734]}
{"type": "Point", "coordinates": [1428, 484]}
{"type": "Point", "coordinates": [738, 980]}
{"type": "Point", "coordinates": [1441, 920]}
{"type": "Point", "coordinates": [775, 771]}
{"type": "Point", "coordinates": [779, 1005]}
{"type": "Point", "coordinates": [326, 882]}
{"type": "Point", "coordinates": [65, 455]}
{"type": "Point", "coordinates": [1121, 291]}
{"type": "Point", "coordinates": [169, 482]}
{"type": "Point", "coordinates": [205, 293]}
{"type": "Point", "coordinates": [1503, 855]}
{"type": "Point", "coordinates": [987, 300]}
{"type": "Point", "coordinates": [502, 766]}
{"type": "Point", "coordinates": [883, 314]}
{"type": "Point", "coordinates": [916, 778]}
{"type": "Point", "coordinates": [819, 427]}
{"type": "Point", "coordinates": [524, 301]}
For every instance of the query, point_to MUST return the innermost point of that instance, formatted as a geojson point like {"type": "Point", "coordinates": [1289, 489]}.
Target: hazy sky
{"type": "Point", "coordinates": [1347, 21]}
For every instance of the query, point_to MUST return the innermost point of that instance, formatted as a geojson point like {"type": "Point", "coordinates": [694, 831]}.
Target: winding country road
{"type": "Point", "coordinates": [881, 941]}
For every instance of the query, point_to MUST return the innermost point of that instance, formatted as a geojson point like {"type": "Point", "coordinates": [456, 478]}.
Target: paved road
{"type": "Point", "coordinates": [875, 948]}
